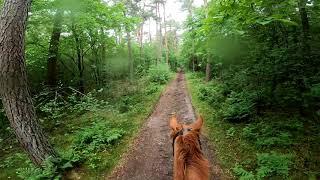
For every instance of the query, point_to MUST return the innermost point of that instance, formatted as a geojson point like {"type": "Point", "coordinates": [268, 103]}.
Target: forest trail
{"type": "Point", "coordinates": [151, 154]}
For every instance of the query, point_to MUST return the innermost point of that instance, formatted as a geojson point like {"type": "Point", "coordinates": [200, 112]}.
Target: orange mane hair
{"type": "Point", "coordinates": [189, 161]}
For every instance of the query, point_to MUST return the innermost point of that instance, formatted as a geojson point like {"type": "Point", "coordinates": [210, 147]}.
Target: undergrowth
{"type": "Point", "coordinates": [251, 143]}
{"type": "Point", "coordinates": [89, 132]}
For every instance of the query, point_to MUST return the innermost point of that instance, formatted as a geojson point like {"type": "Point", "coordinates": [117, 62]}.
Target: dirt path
{"type": "Point", "coordinates": [151, 155]}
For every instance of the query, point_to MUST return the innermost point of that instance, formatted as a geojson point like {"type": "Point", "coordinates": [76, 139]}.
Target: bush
{"type": "Point", "coordinates": [159, 73]}
{"type": "Point", "coordinates": [152, 88]}
{"type": "Point", "coordinates": [269, 165]}
{"type": "Point", "coordinates": [97, 136]}
{"type": "Point", "coordinates": [273, 132]}
{"type": "Point", "coordinates": [273, 164]}
{"type": "Point", "coordinates": [212, 93]}
{"type": "Point", "coordinates": [52, 168]}
{"type": "Point", "coordinates": [281, 139]}
{"type": "Point", "coordinates": [86, 103]}
{"type": "Point", "coordinates": [242, 173]}
{"type": "Point", "coordinates": [239, 106]}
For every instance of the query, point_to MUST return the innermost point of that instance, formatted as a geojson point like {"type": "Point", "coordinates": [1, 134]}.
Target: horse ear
{"type": "Point", "coordinates": [174, 125]}
{"type": "Point", "coordinates": [198, 124]}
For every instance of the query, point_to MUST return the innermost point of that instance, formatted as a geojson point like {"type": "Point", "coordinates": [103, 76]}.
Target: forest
{"type": "Point", "coordinates": [80, 78]}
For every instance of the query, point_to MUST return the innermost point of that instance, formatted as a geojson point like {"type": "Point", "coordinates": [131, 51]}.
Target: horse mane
{"type": "Point", "coordinates": [190, 161]}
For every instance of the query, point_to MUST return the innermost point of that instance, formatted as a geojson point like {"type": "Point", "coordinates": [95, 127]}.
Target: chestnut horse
{"type": "Point", "coordinates": [189, 162]}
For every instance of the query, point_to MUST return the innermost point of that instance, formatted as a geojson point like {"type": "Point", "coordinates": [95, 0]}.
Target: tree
{"type": "Point", "coordinates": [165, 32]}
{"type": "Point", "coordinates": [54, 49]}
{"type": "Point", "coordinates": [14, 90]}
{"type": "Point", "coordinates": [208, 65]}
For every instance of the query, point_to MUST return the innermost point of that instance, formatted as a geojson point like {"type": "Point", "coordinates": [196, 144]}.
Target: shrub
{"type": "Point", "coordinates": [51, 169]}
{"type": "Point", "coordinates": [231, 131]}
{"type": "Point", "coordinates": [269, 165]}
{"type": "Point", "coordinates": [273, 164]}
{"type": "Point", "coordinates": [242, 173]}
{"type": "Point", "coordinates": [239, 106]}
{"type": "Point", "coordinates": [97, 136]}
{"type": "Point", "coordinates": [152, 88]}
{"type": "Point", "coordinates": [86, 103]}
{"type": "Point", "coordinates": [280, 139]}
{"type": "Point", "coordinates": [212, 93]}
{"type": "Point", "coordinates": [273, 132]}
{"type": "Point", "coordinates": [159, 73]}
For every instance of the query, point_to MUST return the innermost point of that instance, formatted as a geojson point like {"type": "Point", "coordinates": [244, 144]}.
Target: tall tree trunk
{"type": "Point", "coordinates": [141, 40]}
{"type": "Point", "coordinates": [193, 48]}
{"type": "Point", "coordinates": [14, 90]}
{"type": "Point", "coordinates": [306, 50]}
{"type": "Point", "coordinates": [150, 39]}
{"type": "Point", "coordinates": [53, 53]}
{"type": "Point", "coordinates": [305, 26]}
{"type": "Point", "coordinates": [160, 32]}
{"type": "Point", "coordinates": [208, 66]}
{"type": "Point", "coordinates": [103, 56]}
{"type": "Point", "coordinates": [165, 33]}
{"type": "Point", "coordinates": [79, 59]}
{"type": "Point", "coordinates": [130, 55]}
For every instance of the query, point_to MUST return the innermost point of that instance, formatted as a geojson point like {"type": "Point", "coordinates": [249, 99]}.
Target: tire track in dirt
{"type": "Point", "coordinates": [150, 157]}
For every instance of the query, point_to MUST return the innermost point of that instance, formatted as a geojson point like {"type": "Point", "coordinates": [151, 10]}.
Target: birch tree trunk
{"type": "Point", "coordinates": [14, 90]}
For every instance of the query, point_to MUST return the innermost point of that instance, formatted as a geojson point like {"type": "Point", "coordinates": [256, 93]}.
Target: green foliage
{"type": "Point", "coordinates": [278, 133]}
{"type": "Point", "coordinates": [269, 165]}
{"type": "Point", "coordinates": [87, 103]}
{"type": "Point", "coordinates": [259, 50]}
{"type": "Point", "coordinates": [272, 144]}
{"type": "Point", "coordinates": [213, 93]}
{"type": "Point", "coordinates": [239, 106]}
{"type": "Point", "coordinates": [243, 174]}
{"type": "Point", "coordinates": [60, 106]}
{"type": "Point", "coordinates": [10, 161]}
{"type": "Point", "coordinates": [95, 137]}
{"type": "Point", "coordinates": [231, 131]}
{"type": "Point", "coordinates": [49, 170]}
{"type": "Point", "coordinates": [159, 73]}
{"type": "Point", "coordinates": [153, 88]}
{"type": "Point", "coordinates": [273, 164]}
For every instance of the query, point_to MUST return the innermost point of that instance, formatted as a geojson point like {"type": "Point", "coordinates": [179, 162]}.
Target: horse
{"type": "Point", "coordinates": [189, 162]}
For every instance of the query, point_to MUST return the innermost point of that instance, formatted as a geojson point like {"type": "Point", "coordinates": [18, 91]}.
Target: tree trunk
{"type": "Point", "coordinates": [165, 34]}
{"type": "Point", "coordinates": [160, 33]}
{"type": "Point", "coordinates": [208, 71]}
{"type": "Point", "coordinates": [150, 39]}
{"type": "Point", "coordinates": [79, 59]}
{"type": "Point", "coordinates": [208, 66]}
{"type": "Point", "coordinates": [193, 48]}
{"type": "Point", "coordinates": [54, 50]}
{"type": "Point", "coordinates": [305, 26]}
{"type": "Point", "coordinates": [141, 41]}
{"type": "Point", "coordinates": [14, 90]}
{"type": "Point", "coordinates": [103, 56]}
{"type": "Point", "coordinates": [130, 56]}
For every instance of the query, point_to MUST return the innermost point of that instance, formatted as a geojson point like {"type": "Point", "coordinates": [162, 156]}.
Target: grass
{"type": "Point", "coordinates": [274, 145]}
{"type": "Point", "coordinates": [136, 100]}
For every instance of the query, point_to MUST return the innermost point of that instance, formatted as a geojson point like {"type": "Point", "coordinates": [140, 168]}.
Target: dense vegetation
{"type": "Point", "coordinates": [263, 98]}
{"type": "Point", "coordinates": [95, 73]}
{"type": "Point", "coordinates": [93, 80]}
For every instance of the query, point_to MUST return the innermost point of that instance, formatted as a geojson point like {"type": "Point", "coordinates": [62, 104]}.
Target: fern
{"type": "Point", "coordinates": [242, 173]}
{"type": "Point", "coordinates": [273, 164]}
